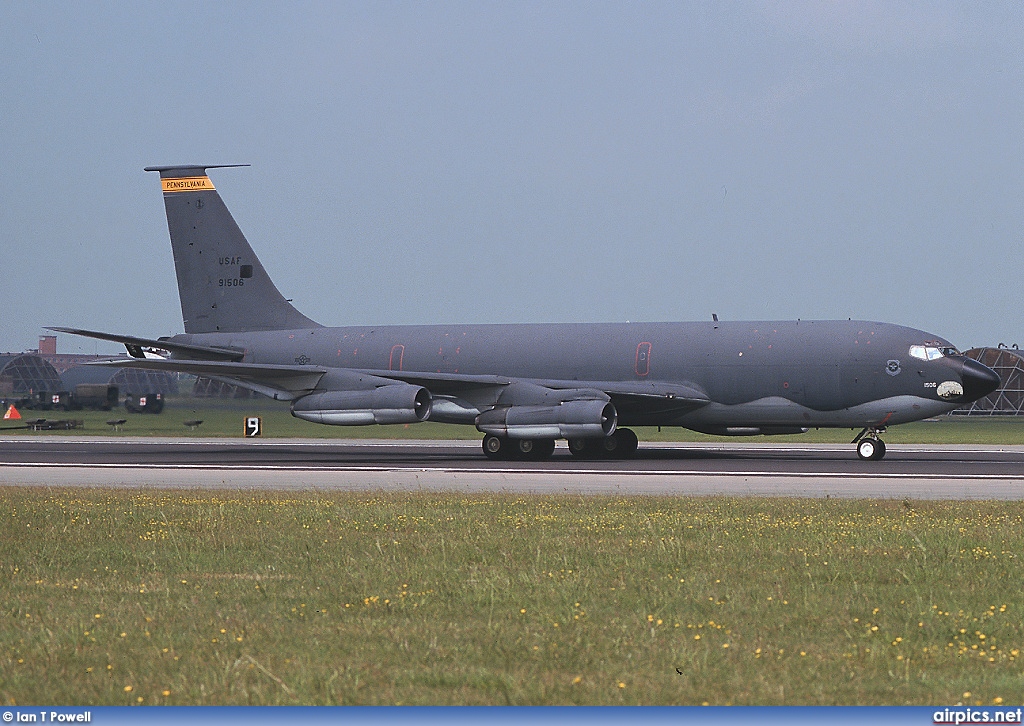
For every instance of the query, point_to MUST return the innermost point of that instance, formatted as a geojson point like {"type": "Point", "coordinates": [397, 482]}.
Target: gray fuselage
{"type": "Point", "coordinates": [756, 374]}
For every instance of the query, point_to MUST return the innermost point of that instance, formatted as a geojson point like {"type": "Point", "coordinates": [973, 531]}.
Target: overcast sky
{"type": "Point", "coordinates": [452, 162]}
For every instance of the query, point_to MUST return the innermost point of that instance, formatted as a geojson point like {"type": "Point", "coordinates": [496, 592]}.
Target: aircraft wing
{"type": "Point", "coordinates": [647, 396]}
{"type": "Point", "coordinates": [642, 390]}
{"type": "Point", "coordinates": [281, 382]}
{"type": "Point", "coordinates": [135, 346]}
{"type": "Point", "coordinates": [289, 382]}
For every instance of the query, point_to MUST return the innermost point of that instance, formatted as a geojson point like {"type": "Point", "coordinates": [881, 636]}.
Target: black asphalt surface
{"type": "Point", "coordinates": [739, 469]}
{"type": "Point", "coordinates": [949, 462]}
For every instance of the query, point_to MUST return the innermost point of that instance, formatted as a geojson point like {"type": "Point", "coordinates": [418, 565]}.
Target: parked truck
{"type": "Point", "coordinates": [47, 401]}
{"type": "Point", "coordinates": [94, 396]}
{"type": "Point", "coordinates": [144, 402]}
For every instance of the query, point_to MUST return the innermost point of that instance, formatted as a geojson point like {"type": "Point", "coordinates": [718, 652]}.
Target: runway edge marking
{"type": "Point", "coordinates": [561, 472]}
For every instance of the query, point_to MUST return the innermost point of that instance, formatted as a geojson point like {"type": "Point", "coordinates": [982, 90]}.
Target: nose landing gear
{"type": "Point", "coordinates": [869, 446]}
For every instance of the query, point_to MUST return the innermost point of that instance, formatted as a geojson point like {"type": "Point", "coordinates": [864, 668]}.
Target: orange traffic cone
{"type": "Point", "coordinates": [12, 414]}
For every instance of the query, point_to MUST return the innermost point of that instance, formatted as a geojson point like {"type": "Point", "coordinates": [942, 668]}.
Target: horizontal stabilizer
{"type": "Point", "coordinates": [192, 167]}
{"type": "Point", "coordinates": [135, 346]}
{"type": "Point", "coordinates": [281, 382]}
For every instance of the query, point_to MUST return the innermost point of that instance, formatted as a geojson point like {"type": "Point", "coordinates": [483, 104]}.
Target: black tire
{"type": "Point", "coordinates": [610, 447]}
{"type": "Point", "coordinates": [543, 449]}
{"type": "Point", "coordinates": [627, 445]}
{"type": "Point", "coordinates": [583, 448]}
{"type": "Point", "coordinates": [867, 449]}
{"type": "Point", "coordinates": [496, 448]}
{"type": "Point", "coordinates": [879, 451]}
{"type": "Point", "coordinates": [531, 449]}
{"type": "Point", "coordinates": [524, 448]}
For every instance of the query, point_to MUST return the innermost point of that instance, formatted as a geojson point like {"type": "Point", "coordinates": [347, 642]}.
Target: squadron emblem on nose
{"type": "Point", "coordinates": [893, 368]}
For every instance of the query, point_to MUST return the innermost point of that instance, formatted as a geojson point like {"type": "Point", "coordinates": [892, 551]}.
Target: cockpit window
{"type": "Point", "coordinates": [930, 352]}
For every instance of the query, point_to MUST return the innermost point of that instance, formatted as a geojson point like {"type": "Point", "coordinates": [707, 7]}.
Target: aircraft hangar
{"type": "Point", "coordinates": [22, 374]}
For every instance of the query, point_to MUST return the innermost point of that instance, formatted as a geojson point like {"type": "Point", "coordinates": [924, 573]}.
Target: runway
{"type": "Point", "coordinates": [733, 469]}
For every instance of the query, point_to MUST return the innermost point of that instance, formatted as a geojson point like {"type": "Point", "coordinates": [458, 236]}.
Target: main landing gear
{"type": "Point", "coordinates": [502, 448]}
{"type": "Point", "coordinates": [620, 445]}
{"type": "Point", "coordinates": [869, 446]}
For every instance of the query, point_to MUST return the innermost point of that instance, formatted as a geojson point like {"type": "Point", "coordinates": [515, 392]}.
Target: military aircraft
{"type": "Point", "coordinates": [525, 385]}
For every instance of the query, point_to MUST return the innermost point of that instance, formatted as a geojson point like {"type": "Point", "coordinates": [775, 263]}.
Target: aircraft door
{"type": "Point", "coordinates": [395, 361]}
{"type": "Point", "coordinates": [642, 365]}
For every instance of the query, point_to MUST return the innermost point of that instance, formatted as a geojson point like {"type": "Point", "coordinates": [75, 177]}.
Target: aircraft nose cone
{"type": "Point", "coordinates": [979, 380]}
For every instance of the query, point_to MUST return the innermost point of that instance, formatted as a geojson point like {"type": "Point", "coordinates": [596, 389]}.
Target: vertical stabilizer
{"type": "Point", "coordinates": [222, 284]}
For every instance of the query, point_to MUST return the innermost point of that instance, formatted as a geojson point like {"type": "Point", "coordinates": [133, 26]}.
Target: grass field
{"type": "Point", "coordinates": [245, 598]}
{"type": "Point", "coordinates": [225, 418]}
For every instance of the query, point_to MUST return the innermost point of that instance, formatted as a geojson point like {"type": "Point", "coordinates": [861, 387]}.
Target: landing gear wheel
{"type": "Point", "coordinates": [533, 449]}
{"type": "Point", "coordinates": [608, 447]}
{"type": "Point", "coordinates": [583, 448]}
{"type": "Point", "coordinates": [523, 448]}
{"type": "Point", "coordinates": [543, 449]}
{"type": "Point", "coordinates": [501, 448]}
{"type": "Point", "coordinates": [620, 445]}
{"type": "Point", "coordinates": [627, 443]}
{"type": "Point", "coordinates": [496, 448]}
{"type": "Point", "coordinates": [870, 449]}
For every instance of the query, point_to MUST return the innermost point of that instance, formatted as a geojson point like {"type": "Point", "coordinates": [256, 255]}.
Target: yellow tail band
{"type": "Point", "coordinates": [187, 184]}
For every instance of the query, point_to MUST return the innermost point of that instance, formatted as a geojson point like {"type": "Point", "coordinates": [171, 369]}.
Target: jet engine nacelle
{"type": "Point", "coordinates": [570, 419]}
{"type": "Point", "coordinates": [398, 403]}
